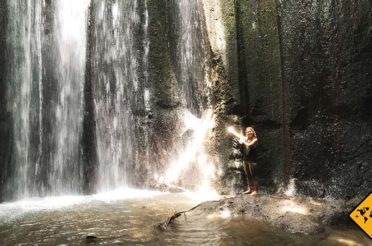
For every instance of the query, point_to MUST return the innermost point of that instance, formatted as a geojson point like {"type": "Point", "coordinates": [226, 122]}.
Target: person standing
{"type": "Point", "coordinates": [249, 142]}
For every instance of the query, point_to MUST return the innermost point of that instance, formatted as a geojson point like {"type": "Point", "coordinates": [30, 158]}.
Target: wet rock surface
{"type": "Point", "coordinates": [305, 86]}
{"type": "Point", "coordinates": [292, 214]}
{"type": "Point", "coordinates": [327, 54]}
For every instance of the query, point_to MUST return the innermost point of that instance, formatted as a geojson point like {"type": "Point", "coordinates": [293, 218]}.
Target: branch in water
{"type": "Point", "coordinates": [164, 226]}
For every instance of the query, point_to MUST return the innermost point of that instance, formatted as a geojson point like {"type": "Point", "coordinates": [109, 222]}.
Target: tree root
{"type": "Point", "coordinates": [164, 226]}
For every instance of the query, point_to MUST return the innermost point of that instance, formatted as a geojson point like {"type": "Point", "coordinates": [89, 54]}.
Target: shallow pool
{"type": "Point", "coordinates": [129, 217]}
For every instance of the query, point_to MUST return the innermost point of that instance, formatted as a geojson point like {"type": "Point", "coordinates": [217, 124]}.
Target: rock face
{"type": "Point", "coordinates": [326, 52]}
{"type": "Point", "coordinates": [305, 86]}
{"type": "Point", "coordinates": [166, 98]}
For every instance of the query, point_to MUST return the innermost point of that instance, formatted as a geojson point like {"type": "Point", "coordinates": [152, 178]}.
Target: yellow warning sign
{"type": "Point", "coordinates": [362, 215]}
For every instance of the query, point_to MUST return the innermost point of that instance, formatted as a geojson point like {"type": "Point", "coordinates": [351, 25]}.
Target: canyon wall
{"type": "Point", "coordinates": [305, 85]}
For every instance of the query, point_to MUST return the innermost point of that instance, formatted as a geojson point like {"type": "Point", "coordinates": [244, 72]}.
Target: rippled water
{"type": "Point", "coordinates": [129, 217]}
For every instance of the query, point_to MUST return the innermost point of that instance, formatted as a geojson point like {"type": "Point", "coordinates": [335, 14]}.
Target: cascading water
{"type": "Point", "coordinates": [45, 100]}
{"type": "Point", "coordinates": [47, 45]}
{"type": "Point", "coordinates": [146, 129]}
{"type": "Point", "coordinates": [190, 55]}
{"type": "Point", "coordinates": [24, 97]}
{"type": "Point", "coordinates": [118, 91]}
{"type": "Point", "coordinates": [70, 28]}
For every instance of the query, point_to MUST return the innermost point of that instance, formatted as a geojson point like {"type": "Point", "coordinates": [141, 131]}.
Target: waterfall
{"type": "Point", "coordinates": [45, 95]}
{"type": "Point", "coordinates": [70, 34]}
{"type": "Point", "coordinates": [146, 92]}
{"type": "Point", "coordinates": [25, 102]}
{"type": "Point", "coordinates": [190, 55]}
{"type": "Point", "coordinates": [118, 91]}
{"type": "Point", "coordinates": [47, 44]}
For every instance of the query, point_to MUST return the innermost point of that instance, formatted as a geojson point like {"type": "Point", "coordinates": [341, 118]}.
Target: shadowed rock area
{"type": "Point", "coordinates": [305, 85]}
{"type": "Point", "coordinates": [326, 52]}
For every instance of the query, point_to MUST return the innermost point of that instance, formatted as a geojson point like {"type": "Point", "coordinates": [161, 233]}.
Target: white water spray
{"type": "Point", "coordinates": [195, 155]}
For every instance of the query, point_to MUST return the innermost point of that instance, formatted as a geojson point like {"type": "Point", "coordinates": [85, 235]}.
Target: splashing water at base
{"type": "Point", "coordinates": [194, 157]}
{"type": "Point", "coordinates": [291, 188]}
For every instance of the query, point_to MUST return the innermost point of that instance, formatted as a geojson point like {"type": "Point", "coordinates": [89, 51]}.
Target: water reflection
{"type": "Point", "coordinates": [128, 217]}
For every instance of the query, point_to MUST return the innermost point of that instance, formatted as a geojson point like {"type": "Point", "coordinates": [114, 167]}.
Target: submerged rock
{"type": "Point", "coordinates": [293, 214]}
{"type": "Point", "coordinates": [91, 237]}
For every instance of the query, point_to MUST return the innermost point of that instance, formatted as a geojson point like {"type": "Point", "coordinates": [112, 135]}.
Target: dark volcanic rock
{"type": "Point", "coordinates": [327, 50]}
{"type": "Point", "coordinates": [305, 84]}
{"type": "Point", "coordinates": [261, 86]}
